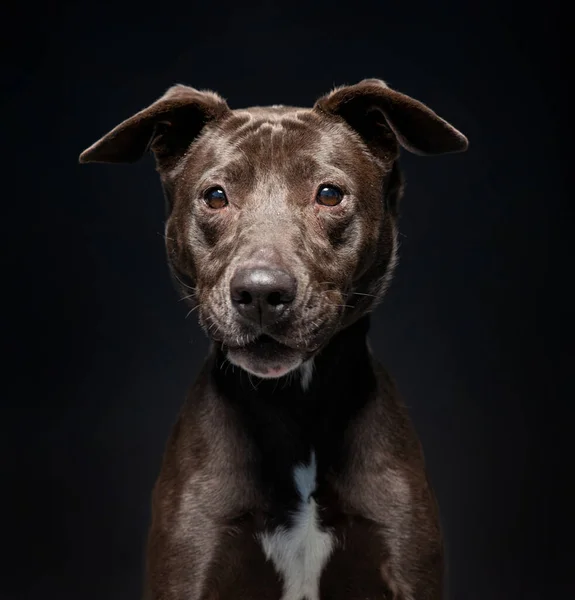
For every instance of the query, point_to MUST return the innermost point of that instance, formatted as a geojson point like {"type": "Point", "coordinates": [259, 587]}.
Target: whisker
{"type": "Point", "coordinates": [184, 284]}
{"type": "Point", "coordinates": [276, 385]}
{"type": "Point", "coordinates": [362, 294]}
{"type": "Point", "coordinates": [191, 311]}
{"type": "Point", "coordinates": [340, 305]}
{"type": "Point", "coordinates": [251, 381]}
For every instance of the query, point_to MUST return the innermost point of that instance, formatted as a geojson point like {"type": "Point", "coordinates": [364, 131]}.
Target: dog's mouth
{"type": "Point", "coordinates": [266, 347]}
{"type": "Point", "coordinates": [265, 357]}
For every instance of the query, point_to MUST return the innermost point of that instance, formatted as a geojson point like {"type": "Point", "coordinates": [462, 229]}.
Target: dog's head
{"type": "Point", "coordinates": [281, 222]}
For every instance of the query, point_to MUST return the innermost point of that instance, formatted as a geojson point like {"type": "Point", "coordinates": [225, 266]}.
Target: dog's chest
{"type": "Point", "coordinates": [301, 549]}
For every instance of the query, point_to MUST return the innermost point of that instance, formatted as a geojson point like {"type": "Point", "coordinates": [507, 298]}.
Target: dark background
{"type": "Point", "coordinates": [476, 328]}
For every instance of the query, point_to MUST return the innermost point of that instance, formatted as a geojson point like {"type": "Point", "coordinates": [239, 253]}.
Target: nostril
{"type": "Point", "coordinates": [279, 297]}
{"type": "Point", "coordinates": [244, 297]}
{"type": "Point", "coordinates": [274, 299]}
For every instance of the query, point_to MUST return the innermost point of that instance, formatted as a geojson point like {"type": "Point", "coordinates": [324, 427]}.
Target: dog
{"type": "Point", "coordinates": [293, 471]}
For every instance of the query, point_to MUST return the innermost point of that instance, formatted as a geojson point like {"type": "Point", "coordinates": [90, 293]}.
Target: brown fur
{"type": "Point", "coordinates": [226, 472]}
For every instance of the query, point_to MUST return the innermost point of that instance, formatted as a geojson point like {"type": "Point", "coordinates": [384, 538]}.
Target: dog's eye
{"type": "Point", "coordinates": [329, 195]}
{"type": "Point", "coordinates": [215, 198]}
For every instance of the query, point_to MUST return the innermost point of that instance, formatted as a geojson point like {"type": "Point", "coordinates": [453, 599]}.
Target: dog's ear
{"type": "Point", "coordinates": [377, 112]}
{"type": "Point", "coordinates": [167, 127]}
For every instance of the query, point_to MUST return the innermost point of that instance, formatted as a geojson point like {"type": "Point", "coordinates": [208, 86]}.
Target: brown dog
{"type": "Point", "coordinates": [293, 471]}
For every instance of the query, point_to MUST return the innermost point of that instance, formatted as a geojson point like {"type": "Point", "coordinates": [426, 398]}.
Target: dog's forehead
{"type": "Point", "coordinates": [276, 139]}
{"type": "Point", "coordinates": [273, 123]}
{"type": "Point", "coordinates": [275, 111]}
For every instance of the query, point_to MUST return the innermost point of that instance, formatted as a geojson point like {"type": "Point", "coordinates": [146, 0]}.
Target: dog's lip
{"type": "Point", "coordinates": [264, 343]}
{"type": "Point", "coordinates": [264, 338]}
{"type": "Point", "coordinates": [265, 357]}
{"type": "Point", "coordinates": [266, 348]}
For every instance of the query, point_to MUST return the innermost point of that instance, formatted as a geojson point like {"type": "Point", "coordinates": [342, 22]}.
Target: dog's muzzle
{"type": "Point", "coordinates": [261, 296]}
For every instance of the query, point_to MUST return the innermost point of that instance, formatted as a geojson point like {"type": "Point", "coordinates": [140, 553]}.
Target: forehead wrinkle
{"type": "Point", "coordinates": [255, 146]}
{"type": "Point", "coordinates": [253, 127]}
{"type": "Point", "coordinates": [287, 124]}
{"type": "Point", "coordinates": [236, 126]}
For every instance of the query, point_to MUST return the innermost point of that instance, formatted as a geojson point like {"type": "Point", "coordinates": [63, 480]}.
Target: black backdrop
{"type": "Point", "coordinates": [476, 327]}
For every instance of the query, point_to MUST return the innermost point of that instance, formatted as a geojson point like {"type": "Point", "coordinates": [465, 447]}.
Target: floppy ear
{"type": "Point", "coordinates": [167, 127]}
{"type": "Point", "coordinates": [375, 111]}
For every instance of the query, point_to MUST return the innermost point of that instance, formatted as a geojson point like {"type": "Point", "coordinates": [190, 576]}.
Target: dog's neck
{"type": "Point", "coordinates": [289, 417]}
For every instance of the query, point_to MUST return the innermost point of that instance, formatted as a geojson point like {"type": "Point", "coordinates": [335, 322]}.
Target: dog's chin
{"type": "Point", "coordinates": [265, 358]}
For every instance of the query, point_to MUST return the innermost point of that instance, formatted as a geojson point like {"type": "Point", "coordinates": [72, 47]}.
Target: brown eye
{"type": "Point", "coordinates": [329, 195]}
{"type": "Point", "coordinates": [216, 198]}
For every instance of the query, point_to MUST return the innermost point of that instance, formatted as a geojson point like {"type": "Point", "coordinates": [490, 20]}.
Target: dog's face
{"type": "Point", "coordinates": [281, 221]}
{"type": "Point", "coordinates": [277, 213]}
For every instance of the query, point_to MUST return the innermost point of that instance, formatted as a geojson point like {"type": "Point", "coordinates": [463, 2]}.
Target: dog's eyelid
{"type": "Point", "coordinates": [207, 187]}
{"type": "Point", "coordinates": [215, 188]}
{"type": "Point", "coordinates": [334, 177]}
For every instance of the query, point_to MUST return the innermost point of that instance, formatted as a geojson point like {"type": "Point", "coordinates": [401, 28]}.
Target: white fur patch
{"type": "Point", "coordinates": [300, 552]}
{"type": "Point", "coordinates": [306, 372]}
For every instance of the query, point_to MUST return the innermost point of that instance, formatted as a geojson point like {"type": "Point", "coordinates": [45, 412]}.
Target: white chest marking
{"type": "Point", "coordinates": [306, 371]}
{"type": "Point", "coordinates": [300, 552]}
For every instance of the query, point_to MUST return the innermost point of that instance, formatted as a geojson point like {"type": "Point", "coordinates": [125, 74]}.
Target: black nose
{"type": "Point", "coordinates": [262, 294]}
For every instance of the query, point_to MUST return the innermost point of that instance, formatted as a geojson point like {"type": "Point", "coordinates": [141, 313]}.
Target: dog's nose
{"type": "Point", "coordinates": [262, 294]}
